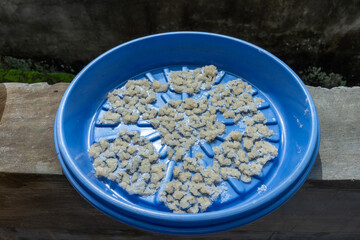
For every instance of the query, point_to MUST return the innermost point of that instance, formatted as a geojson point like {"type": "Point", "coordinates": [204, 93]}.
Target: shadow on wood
{"type": "Point", "coordinates": [33, 203]}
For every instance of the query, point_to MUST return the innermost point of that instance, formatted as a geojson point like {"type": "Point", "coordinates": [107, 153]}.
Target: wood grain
{"type": "Point", "coordinates": [25, 233]}
{"type": "Point", "coordinates": [48, 204]}
{"type": "Point", "coordinates": [37, 201]}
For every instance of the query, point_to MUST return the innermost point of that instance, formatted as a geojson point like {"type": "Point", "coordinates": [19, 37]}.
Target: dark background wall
{"type": "Point", "coordinates": [322, 33]}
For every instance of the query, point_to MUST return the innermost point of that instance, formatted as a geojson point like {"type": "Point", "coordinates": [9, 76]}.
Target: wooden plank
{"type": "Point", "coordinates": [37, 202]}
{"type": "Point", "coordinates": [83, 234]}
{"type": "Point", "coordinates": [26, 130]}
{"type": "Point", "coordinates": [50, 202]}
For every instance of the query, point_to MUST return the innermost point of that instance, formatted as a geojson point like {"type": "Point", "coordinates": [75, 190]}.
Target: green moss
{"type": "Point", "coordinates": [43, 66]}
{"type": "Point", "coordinates": [314, 76]}
{"type": "Point", "coordinates": [15, 75]}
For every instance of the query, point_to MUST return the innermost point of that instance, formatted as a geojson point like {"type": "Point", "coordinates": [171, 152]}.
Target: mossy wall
{"type": "Point", "coordinates": [15, 75]}
{"type": "Point", "coordinates": [304, 33]}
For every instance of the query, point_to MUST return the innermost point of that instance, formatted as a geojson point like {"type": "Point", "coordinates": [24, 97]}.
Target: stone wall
{"type": "Point", "coordinates": [304, 33]}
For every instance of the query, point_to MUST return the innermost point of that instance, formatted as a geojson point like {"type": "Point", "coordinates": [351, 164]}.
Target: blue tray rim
{"type": "Point", "coordinates": [190, 218]}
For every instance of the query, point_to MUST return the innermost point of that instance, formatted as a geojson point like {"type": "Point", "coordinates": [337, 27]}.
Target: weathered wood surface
{"type": "Point", "coordinates": [26, 130]}
{"type": "Point", "coordinates": [21, 233]}
{"type": "Point", "coordinates": [37, 202]}
{"type": "Point", "coordinates": [47, 205]}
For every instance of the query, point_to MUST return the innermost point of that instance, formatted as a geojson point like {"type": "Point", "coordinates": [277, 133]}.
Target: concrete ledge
{"type": "Point", "coordinates": [339, 115]}
{"type": "Point", "coordinates": [27, 146]}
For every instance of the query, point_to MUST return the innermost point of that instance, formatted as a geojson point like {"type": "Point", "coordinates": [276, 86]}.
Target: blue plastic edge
{"type": "Point", "coordinates": [302, 171]}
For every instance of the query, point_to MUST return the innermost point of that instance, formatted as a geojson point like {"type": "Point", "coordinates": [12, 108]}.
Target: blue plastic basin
{"type": "Point", "coordinates": [288, 107]}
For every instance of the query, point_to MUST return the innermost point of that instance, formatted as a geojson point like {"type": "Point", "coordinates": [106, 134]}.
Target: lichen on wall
{"type": "Point", "coordinates": [15, 75]}
{"type": "Point", "coordinates": [305, 33]}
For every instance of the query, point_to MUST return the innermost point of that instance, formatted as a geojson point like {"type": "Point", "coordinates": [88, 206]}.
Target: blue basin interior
{"type": "Point", "coordinates": [289, 104]}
